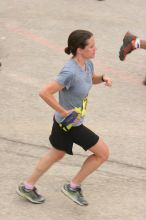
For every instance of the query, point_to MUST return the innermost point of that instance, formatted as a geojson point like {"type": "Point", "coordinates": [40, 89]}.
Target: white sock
{"type": "Point", "coordinates": [137, 43]}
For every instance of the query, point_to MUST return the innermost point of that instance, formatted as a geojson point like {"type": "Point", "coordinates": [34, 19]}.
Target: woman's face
{"type": "Point", "coordinates": [90, 49]}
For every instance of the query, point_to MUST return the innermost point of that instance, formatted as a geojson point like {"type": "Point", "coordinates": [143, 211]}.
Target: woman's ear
{"type": "Point", "coordinates": [79, 51]}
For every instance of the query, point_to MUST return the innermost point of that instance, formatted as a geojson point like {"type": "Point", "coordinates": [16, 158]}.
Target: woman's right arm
{"type": "Point", "coordinates": [47, 94]}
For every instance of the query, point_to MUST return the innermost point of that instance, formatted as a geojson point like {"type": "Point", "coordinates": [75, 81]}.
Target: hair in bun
{"type": "Point", "coordinates": [67, 50]}
{"type": "Point", "coordinates": [77, 39]}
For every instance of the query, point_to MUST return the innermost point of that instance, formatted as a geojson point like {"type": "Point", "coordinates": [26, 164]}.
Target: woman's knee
{"type": "Point", "coordinates": [101, 150]}
{"type": "Point", "coordinates": [56, 154]}
{"type": "Point", "coordinates": [60, 156]}
{"type": "Point", "coordinates": [105, 154]}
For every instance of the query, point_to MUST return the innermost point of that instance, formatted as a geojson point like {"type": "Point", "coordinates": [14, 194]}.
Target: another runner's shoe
{"type": "Point", "coordinates": [30, 195]}
{"type": "Point", "coordinates": [128, 45]}
{"type": "Point", "coordinates": [74, 194]}
{"type": "Point", "coordinates": [144, 81]}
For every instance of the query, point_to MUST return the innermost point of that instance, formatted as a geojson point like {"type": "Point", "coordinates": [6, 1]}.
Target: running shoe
{"type": "Point", "coordinates": [30, 195]}
{"type": "Point", "coordinates": [144, 81]}
{"type": "Point", "coordinates": [128, 45]}
{"type": "Point", "coordinates": [75, 195]}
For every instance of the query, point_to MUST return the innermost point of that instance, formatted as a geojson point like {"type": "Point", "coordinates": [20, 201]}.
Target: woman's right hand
{"type": "Point", "coordinates": [66, 113]}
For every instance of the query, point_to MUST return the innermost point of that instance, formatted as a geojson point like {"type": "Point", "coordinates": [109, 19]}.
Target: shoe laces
{"type": "Point", "coordinates": [34, 190]}
{"type": "Point", "coordinates": [79, 190]}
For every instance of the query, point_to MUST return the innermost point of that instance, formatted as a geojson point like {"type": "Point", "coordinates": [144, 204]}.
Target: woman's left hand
{"type": "Point", "coordinates": [108, 81]}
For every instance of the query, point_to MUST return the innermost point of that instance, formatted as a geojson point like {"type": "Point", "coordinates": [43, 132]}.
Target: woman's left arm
{"type": "Point", "coordinates": [96, 79]}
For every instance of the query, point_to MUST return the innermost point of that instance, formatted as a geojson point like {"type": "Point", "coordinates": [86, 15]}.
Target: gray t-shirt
{"type": "Point", "coordinates": [77, 83]}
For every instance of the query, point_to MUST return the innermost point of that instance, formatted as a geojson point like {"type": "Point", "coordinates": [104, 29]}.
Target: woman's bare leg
{"type": "Point", "coordinates": [100, 154]}
{"type": "Point", "coordinates": [52, 156]}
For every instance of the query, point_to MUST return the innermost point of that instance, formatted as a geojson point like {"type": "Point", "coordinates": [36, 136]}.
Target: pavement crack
{"type": "Point", "coordinates": [77, 154]}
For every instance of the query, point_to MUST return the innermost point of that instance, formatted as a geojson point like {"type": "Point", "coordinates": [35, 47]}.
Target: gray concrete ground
{"type": "Point", "coordinates": [32, 37]}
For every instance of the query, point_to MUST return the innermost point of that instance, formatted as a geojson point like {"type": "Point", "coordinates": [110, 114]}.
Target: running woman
{"type": "Point", "coordinates": [73, 84]}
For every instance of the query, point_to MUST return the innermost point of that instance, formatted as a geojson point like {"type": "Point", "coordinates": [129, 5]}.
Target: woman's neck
{"type": "Point", "coordinates": [80, 61]}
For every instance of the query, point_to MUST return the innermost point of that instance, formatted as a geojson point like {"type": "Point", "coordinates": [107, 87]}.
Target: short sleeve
{"type": "Point", "coordinates": [90, 66]}
{"type": "Point", "coordinates": [65, 78]}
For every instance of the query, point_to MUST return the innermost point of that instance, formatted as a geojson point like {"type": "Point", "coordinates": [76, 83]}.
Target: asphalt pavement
{"type": "Point", "coordinates": [33, 35]}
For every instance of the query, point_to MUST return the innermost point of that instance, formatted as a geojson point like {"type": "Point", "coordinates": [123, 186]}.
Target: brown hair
{"type": "Point", "coordinates": [77, 39]}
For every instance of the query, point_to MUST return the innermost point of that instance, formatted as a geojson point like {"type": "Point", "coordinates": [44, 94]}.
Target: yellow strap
{"type": "Point", "coordinates": [82, 110]}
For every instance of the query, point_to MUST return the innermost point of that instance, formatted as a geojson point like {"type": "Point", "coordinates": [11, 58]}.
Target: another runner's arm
{"type": "Point", "coordinates": [47, 94]}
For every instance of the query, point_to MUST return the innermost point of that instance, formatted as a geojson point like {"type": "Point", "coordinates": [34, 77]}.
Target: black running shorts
{"type": "Point", "coordinates": [79, 135]}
